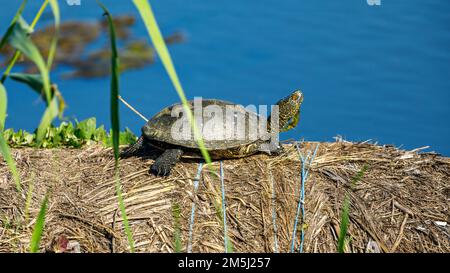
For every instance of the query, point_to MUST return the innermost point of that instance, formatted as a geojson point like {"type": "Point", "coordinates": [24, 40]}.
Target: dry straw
{"type": "Point", "coordinates": [400, 205]}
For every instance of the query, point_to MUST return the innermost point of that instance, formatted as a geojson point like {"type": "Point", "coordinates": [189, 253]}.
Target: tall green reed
{"type": "Point", "coordinates": [115, 123]}
{"type": "Point", "coordinates": [4, 148]}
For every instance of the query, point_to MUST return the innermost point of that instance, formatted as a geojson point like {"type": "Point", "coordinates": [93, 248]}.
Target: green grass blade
{"type": "Point", "coordinates": [4, 148]}
{"type": "Point", "coordinates": [124, 214]}
{"type": "Point", "coordinates": [345, 215]}
{"type": "Point", "coordinates": [49, 114]}
{"type": "Point", "coordinates": [115, 122]}
{"type": "Point", "coordinates": [52, 51]}
{"type": "Point", "coordinates": [39, 226]}
{"type": "Point", "coordinates": [145, 10]}
{"type": "Point", "coordinates": [29, 198]}
{"type": "Point", "coordinates": [12, 24]}
{"type": "Point", "coordinates": [176, 214]}
{"type": "Point", "coordinates": [114, 103]}
{"type": "Point", "coordinates": [359, 176]}
{"type": "Point", "coordinates": [3, 107]}
{"type": "Point", "coordinates": [344, 224]}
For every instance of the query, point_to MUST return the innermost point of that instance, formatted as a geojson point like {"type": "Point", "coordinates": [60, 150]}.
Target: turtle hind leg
{"type": "Point", "coordinates": [164, 163]}
{"type": "Point", "coordinates": [134, 149]}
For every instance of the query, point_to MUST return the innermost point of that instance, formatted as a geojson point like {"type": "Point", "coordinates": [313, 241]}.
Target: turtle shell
{"type": "Point", "coordinates": [223, 125]}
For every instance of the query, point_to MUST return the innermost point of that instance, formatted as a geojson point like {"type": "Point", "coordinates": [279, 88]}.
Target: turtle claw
{"type": "Point", "coordinates": [160, 169]}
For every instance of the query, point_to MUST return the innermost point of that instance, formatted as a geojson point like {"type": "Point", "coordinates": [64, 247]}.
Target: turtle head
{"type": "Point", "coordinates": [289, 110]}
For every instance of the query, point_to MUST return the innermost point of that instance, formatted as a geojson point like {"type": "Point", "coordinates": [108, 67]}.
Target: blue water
{"type": "Point", "coordinates": [367, 72]}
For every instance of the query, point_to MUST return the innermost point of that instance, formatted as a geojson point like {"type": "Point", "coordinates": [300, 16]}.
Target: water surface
{"type": "Point", "coordinates": [367, 72]}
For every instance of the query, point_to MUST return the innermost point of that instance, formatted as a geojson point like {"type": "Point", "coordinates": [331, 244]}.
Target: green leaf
{"type": "Point", "coordinates": [7, 134]}
{"type": "Point", "coordinates": [28, 29]}
{"type": "Point", "coordinates": [17, 137]}
{"type": "Point", "coordinates": [100, 134]}
{"type": "Point", "coordinates": [3, 107]}
{"type": "Point", "coordinates": [86, 128]}
{"type": "Point", "coordinates": [52, 52]}
{"type": "Point", "coordinates": [66, 128]}
{"type": "Point", "coordinates": [25, 26]}
{"type": "Point", "coordinates": [50, 113]}
{"type": "Point", "coordinates": [21, 41]}
{"type": "Point", "coordinates": [12, 25]}
{"type": "Point", "coordinates": [32, 80]}
{"type": "Point", "coordinates": [28, 139]}
{"type": "Point", "coordinates": [127, 137]}
{"type": "Point", "coordinates": [39, 226]}
{"type": "Point", "coordinates": [36, 83]}
{"type": "Point", "coordinates": [68, 135]}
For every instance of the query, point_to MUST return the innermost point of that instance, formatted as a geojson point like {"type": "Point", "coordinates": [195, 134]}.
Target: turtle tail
{"type": "Point", "coordinates": [134, 149]}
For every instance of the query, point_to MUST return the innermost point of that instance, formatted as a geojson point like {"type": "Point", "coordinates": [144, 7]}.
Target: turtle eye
{"type": "Point", "coordinates": [297, 96]}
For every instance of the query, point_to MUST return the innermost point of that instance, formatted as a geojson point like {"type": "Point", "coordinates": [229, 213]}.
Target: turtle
{"type": "Point", "coordinates": [158, 134]}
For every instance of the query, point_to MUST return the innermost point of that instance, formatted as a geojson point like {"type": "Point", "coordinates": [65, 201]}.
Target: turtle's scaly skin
{"type": "Point", "coordinates": [158, 133]}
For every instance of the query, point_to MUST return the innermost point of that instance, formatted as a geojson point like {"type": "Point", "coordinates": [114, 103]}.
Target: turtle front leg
{"type": "Point", "coordinates": [164, 163]}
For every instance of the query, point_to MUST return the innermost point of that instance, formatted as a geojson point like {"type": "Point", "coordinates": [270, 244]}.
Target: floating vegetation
{"type": "Point", "coordinates": [76, 47]}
